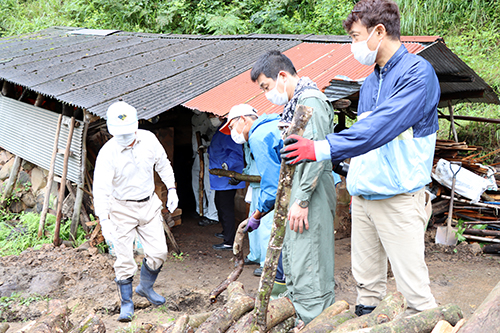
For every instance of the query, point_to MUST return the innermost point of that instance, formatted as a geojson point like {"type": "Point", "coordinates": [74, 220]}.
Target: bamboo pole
{"type": "Point", "coordinates": [236, 175]}
{"type": "Point", "coordinates": [201, 175]}
{"type": "Point", "coordinates": [299, 122]}
{"type": "Point", "coordinates": [50, 179]}
{"type": "Point", "coordinates": [60, 197]}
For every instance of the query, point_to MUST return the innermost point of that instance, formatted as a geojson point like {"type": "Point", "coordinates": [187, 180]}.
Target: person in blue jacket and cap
{"type": "Point", "coordinates": [224, 153]}
{"type": "Point", "coordinates": [265, 142]}
{"type": "Point", "coordinates": [391, 149]}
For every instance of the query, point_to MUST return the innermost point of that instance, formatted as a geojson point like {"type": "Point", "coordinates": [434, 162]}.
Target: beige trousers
{"type": "Point", "coordinates": [392, 228]}
{"type": "Point", "coordinates": [137, 218]}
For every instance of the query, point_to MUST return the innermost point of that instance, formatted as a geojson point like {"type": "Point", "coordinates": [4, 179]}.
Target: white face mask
{"type": "Point", "coordinates": [275, 97]}
{"type": "Point", "coordinates": [125, 140]}
{"type": "Point", "coordinates": [215, 122]}
{"type": "Point", "coordinates": [362, 52]}
{"type": "Point", "coordinates": [239, 138]}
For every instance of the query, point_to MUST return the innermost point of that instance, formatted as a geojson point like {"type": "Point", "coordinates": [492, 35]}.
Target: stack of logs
{"type": "Point", "coordinates": [236, 316]}
{"type": "Point", "coordinates": [485, 212]}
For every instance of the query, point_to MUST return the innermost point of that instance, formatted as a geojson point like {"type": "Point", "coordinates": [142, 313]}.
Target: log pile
{"type": "Point", "coordinates": [476, 221]}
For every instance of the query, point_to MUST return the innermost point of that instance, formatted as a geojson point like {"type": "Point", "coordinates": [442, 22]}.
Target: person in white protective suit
{"type": "Point", "coordinates": [127, 206]}
{"type": "Point", "coordinates": [201, 122]}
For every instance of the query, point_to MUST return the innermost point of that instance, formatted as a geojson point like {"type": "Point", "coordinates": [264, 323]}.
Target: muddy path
{"type": "Point", "coordinates": [84, 279]}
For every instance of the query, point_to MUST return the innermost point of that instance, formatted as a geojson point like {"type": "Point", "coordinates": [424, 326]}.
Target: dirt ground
{"type": "Point", "coordinates": [84, 279]}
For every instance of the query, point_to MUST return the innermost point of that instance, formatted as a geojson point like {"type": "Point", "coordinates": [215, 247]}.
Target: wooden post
{"type": "Point", "coordinates": [50, 179]}
{"type": "Point", "coordinates": [75, 219]}
{"type": "Point", "coordinates": [202, 173]}
{"type": "Point", "coordinates": [452, 121]}
{"type": "Point", "coordinates": [62, 188]}
{"type": "Point", "coordinates": [11, 183]}
{"type": "Point", "coordinates": [299, 122]}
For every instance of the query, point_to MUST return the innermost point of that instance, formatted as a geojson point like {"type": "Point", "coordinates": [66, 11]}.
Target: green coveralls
{"type": "Point", "coordinates": [308, 258]}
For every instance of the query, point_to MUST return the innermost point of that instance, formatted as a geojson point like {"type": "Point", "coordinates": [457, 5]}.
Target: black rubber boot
{"type": "Point", "coordinates": [363, 309]}
{"type": "Point", "coordinates": [125, 293]}
{"type": "Point", "coordinates": [145, 287]}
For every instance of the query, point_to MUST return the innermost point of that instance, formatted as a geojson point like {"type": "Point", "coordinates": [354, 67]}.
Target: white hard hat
{"type": "Point", "coordinates": [122, 119]}
{"type": "Point", "coordinates": [235, 112]}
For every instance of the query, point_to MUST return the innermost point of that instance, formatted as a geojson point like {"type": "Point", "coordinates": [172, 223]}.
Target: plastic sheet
{"type": "Point", "coordinates": [468, 184]}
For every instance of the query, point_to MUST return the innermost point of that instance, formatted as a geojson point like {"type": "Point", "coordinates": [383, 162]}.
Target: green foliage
{"type": "Point", "coordinates": [20, 231]}
{"type": "Point", "coordinates": [180, 257]}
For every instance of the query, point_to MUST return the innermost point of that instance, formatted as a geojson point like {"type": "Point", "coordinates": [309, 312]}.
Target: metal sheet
{"type": "Point", "coordinates": [321, 62]}
{"type": "Point", "coordinates": [29, 131]}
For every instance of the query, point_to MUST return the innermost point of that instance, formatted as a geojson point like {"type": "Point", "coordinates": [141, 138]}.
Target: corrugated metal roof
{"type": "Point", "coordinates": [449, 67]}
{"type": "Point", "coordinates": [151, 71]}
{"type": "Point", "coordinates": [320, 62]}
{"type": "Point", "coordinates": [331, 64]}
{"type": "Point", "coordinates": [156, 72]}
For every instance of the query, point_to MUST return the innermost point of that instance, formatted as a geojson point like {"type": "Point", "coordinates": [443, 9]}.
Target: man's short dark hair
{"type": "Point", "coordinates": [373, 12]}
{"type": "Point", "coordinates": [270, 64]}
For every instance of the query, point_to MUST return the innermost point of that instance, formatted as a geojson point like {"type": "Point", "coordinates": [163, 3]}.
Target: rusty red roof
{"type": "Point", "coordinates": [321, 62]}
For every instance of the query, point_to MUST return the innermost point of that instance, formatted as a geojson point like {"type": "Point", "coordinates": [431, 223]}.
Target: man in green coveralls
{"type": "Point", "coordinates": [308, 249]}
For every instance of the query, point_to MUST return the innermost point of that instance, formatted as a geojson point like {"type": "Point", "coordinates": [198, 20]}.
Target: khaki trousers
{"type": "Point", "coordinates": [392, 228]}
{"type": "Point", "coordinates": [137, 218]}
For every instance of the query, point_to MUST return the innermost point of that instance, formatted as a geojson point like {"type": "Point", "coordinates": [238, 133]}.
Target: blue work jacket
{"type": "Point", "coordinates": [265, 143]}
{"type": "Point", "coordinates": [222, 150]}
{"type": "Point", "coordinates": [392, 144]}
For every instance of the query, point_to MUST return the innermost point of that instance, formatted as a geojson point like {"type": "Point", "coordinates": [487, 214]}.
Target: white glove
{"type": "Point", "coordinates": [172, 200]}
{"type": "Point", "coordinates": [107, 229]}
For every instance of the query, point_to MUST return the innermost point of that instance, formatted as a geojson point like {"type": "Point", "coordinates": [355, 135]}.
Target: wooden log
{"type": "Point", "coordinates": [201, 174]}
{"type": "Point", "coordinates": [55, 321]}
{"type": "Point", "coordinates": [60, 198]}
{"type": "Point", "coordinates": [491, 248]}
{"type": "Point", "coordinates": [472, 203]}
{"type": "Point", "coordinates": [388, 309]}
{"type": "Point", "coordinates": [486, 318]}
{"type": "Point", "coordinates": [237, 305]}
{"type": "Point", "coordinates": [181, 324]}
{"type": "Point", "coordinates": [481, 239]}
{"type": "Point", "coordinates": [77, 209]}
{"type": "Point", "coordinates": [300, 119]}
{"type": "Point", "coordinates": [326, 322]}
{"type": "Point", "coordinates": [170, 235]}
{"type": "Point", "coordinates": [458, 326]}
{"type": "Point", "coordinates": [4, 327]}
{"type": "Point", "coordinates": [279, 310]}
{"type": "Point", "coordinates": [452, 121]}
{"type": "Point", "coordinates": [50, 179]}
{"type": "Point", "coordinates": [197, 319]}
{"type": "Point", "coordinates": [421, 322]}
{"type": "Point", "coordinates": [236, 175]}
{"type": "Point", "coordinates": [11, 182]}
{"type": "Point", "coordinates": [284, 326]}
{"type": "Point", "coordinates": [91, 324]}
{"type": "Point", "coordinates": [479, 232]}
{"type": "Point", "coordinates": [442, 327]}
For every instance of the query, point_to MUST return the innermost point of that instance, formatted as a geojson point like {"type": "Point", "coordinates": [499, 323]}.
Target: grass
{"type": "Point", "coordinates": [20, 231]}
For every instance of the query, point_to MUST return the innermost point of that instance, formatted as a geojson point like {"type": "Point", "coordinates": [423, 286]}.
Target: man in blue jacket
{"type": "Point", "coordinates": [392, 148]}
{"type": "Point", "coordinates": [224, 153]}
{"type": "Point", "coordinates": [264, 139]}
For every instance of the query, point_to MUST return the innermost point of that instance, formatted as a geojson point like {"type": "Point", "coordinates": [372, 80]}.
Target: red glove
{"type": "Point", "coordinates": [298, 150]}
